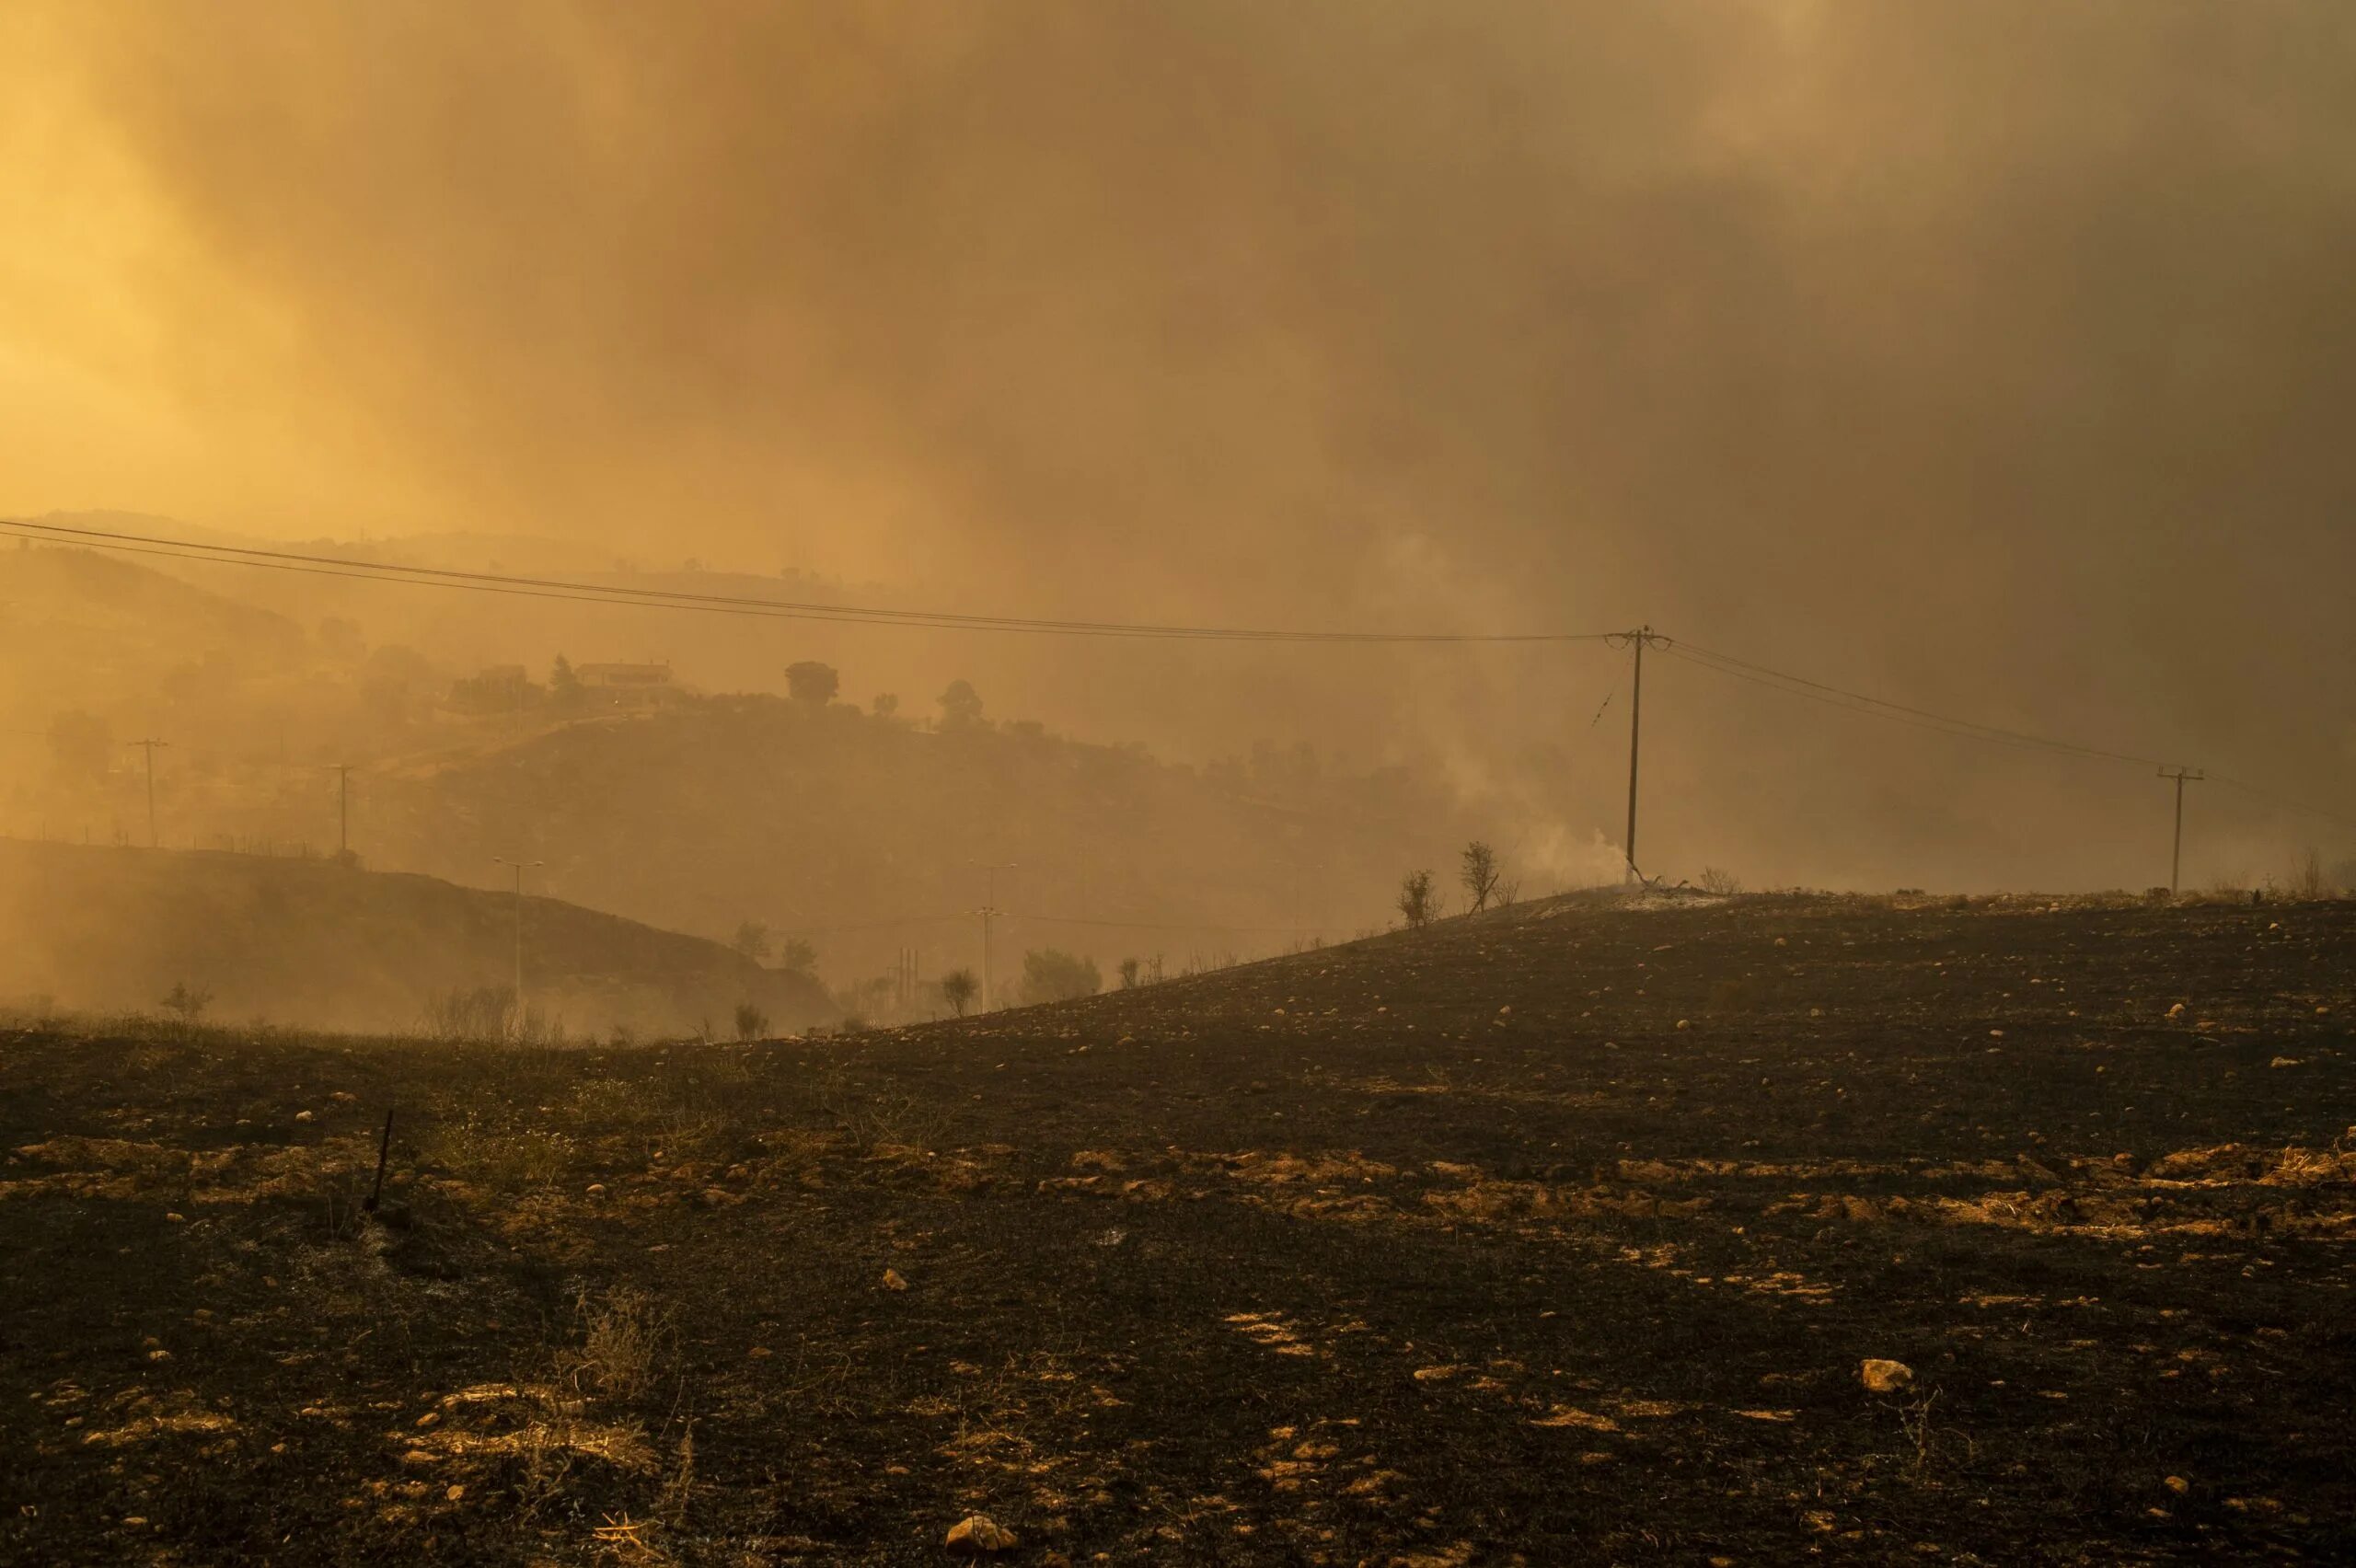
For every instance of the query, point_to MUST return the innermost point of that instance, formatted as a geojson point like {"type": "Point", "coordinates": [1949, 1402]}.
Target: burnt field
{"type": "Point", "coordinates": [1555, 1236]}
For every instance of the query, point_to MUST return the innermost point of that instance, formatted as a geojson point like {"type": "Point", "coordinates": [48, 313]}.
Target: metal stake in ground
{"type": "Point", "coordinates": [2176, 855]}
{"type": "Point", "coordinates": [384, 1147]}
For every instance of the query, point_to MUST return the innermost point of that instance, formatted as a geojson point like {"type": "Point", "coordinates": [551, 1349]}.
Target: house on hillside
{"type": "Point", "coordinates": [627, 686]}
{"type": "Point", "coordinates": [500, 688]}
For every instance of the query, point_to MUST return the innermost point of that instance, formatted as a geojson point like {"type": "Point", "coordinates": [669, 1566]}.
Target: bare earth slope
{"type": "Point", "coordinates": [312, 943]}
{"type": "Point", "coordinates": [1327, 1259]}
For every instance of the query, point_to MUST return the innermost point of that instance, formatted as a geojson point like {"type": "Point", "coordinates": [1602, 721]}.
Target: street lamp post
{"type": "Point", "coordinates": [988, 911]}
{"type": "Point", "coordinates": [519, 866]}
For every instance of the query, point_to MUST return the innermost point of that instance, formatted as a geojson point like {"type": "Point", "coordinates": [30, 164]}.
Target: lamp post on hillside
{"type": "Point", "coordinates": [519, 866]}
{"type": "Point", "coordinates": [987, 910]}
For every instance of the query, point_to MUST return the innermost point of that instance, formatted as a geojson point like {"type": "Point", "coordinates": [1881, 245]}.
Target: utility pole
{"type": "Point", "coordinates": [519, 866]}
{"type": "Point", "coordinates": [987, 912]}
{"type": "Point", "coordinates": [153, 841]}
{"type": "Point", "coordinates": [2176, 855]}
{"type": "Point", "coordinates": [1635, 639]}
{"type": "Point", "coordinates": [343, 813]}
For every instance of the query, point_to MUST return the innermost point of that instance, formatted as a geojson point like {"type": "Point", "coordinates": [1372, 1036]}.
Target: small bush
{"type": "Point", "coordinates": [1719, 881]}
{"type": "Point", "coordinates": [188, 1003]}
{"type": "Point", "coordinates": [751, 1023]}
{"type": "Point", "coordinates": [622, 1341]}
{"type": "Point", "coordinates": [1417, 904]}
{"type": "Point", "coordinates": [460, 1015]}
{"type": "Point", "coordinates": [1050, 975]}
{"type": "Point", "coordinates": [2307, 881]}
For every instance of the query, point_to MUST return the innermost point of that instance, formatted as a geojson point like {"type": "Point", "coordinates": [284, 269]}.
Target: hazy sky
{"type": "Point", "coordinates": [1996, 355]}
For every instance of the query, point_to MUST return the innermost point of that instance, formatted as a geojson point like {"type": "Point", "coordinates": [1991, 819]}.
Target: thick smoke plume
{"type": "Point", "coordinates": [1995, 356]}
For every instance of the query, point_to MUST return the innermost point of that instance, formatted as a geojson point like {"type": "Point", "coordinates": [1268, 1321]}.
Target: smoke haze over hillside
{"type": "Point", "coordinates": [1991, 356]}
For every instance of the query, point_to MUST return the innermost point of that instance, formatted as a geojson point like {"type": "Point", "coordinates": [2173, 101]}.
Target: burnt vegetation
{"type": "Point", "coordinates": [1557, 1234]}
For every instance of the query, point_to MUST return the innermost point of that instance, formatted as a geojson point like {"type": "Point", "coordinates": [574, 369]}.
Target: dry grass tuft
{"type": "Point", "coordinates": [474, 1151]}
{"type": "Point", "coordinates": [621, 1342]}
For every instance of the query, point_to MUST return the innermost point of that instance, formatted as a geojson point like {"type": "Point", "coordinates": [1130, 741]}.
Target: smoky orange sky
{"type": "Point", "coordinates": [1996, 356]}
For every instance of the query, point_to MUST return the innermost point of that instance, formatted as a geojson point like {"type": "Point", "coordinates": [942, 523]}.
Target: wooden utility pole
{"type": "Point", "coordinates": [2176, 855]}
{"type": "Point", "coordinates": [153, 841]}
{"type": "Point", "coordinates": [1635, 639]}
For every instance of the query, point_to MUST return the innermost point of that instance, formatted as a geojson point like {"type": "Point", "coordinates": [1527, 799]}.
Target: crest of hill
{"type": "Point", "coordinates": [828, 820]}
{"type": "Point", "coordinates": [314, 944]}
{"type": "Point", "coordinates": [64, 589]}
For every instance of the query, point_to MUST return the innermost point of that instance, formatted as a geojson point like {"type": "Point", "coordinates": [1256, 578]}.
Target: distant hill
{"type": "Point", "coordinates": [311, 943]}
{"type": "Point", "coordinates": [858, 828]}
{"type": "Point", "coordinates": [866, 833]}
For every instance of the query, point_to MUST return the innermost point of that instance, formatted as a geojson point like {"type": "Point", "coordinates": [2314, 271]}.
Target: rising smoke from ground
{"type": "Point", "coordinates": [1985, 355]}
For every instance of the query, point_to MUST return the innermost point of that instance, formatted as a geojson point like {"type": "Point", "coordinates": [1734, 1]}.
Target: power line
{"type": "Point", "coordinates": [1862, 702]}
{"type": "Point", "coordinates": [2283, 801]}
{"type": "Point", "coordinates": [728, 603]}
{"type": "Point", "coordinates": [578, 591]}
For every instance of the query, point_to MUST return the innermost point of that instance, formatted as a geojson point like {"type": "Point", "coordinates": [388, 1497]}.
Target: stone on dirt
{"type": "Point", "coordinates": [1887, 1376]}
{"type": "Point", "coordinates": [978, 1533]}
{"type": "Point", "coordinates": [894, 1280]}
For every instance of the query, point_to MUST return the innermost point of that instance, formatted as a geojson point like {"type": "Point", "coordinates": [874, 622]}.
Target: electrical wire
{"type": "Point", "coordinates": [727, 603]}
{"type": "Point", "coordinates": [577, 592]}
{"type": "Point", "coordinates": [1728, 663]}
{"type": "Point", "coordinates": [2284, 802]}
{"type": "Point", "coordinates": [1878, 708]}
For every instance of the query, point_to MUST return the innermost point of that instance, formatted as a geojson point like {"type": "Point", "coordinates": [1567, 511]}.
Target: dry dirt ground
{"type": "Point", "coordinates": [1558, 1236]}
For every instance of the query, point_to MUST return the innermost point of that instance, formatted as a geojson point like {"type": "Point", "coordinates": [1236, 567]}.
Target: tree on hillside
{"type": "Point", "coordinates": [1480, 874]}
{"type": "Point", "coordinates": [886, 704]}
{"type": "Point", "coordinates": [797, 957]}
{"type": "Point", "coordinates": [564, 687]}
{"type": "Point", "coordinates": [188, 1003]}
{"type": "Point", "coordinates": [752, 940]}
{"type": "Point", "coordinates": [957, 988]}
{"type": "Point", "coordinates": [960, 705]}
{"type": "Point", "coordinates": [811, 683]}
{"type": "Point", "coordinates": [1416, 903]}
{"type": "Point", "coordinates": [1128, 975]}
{"type": "Point", "coordinates": [1050, 975]}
